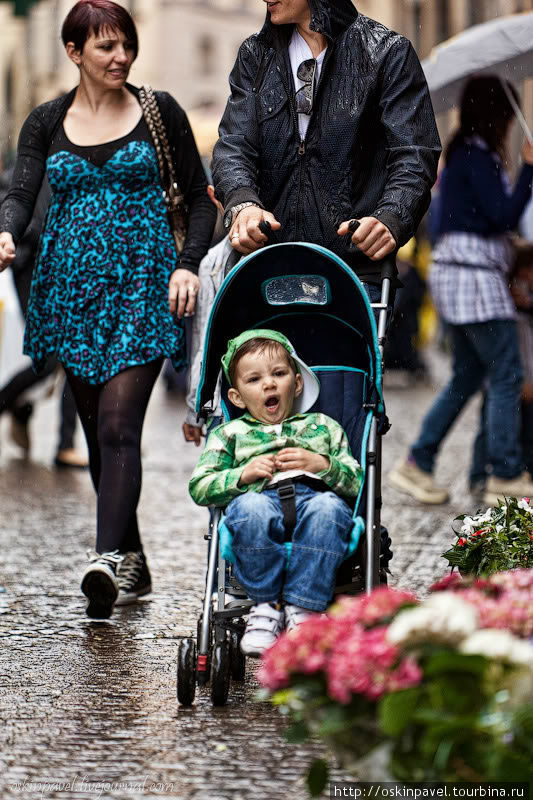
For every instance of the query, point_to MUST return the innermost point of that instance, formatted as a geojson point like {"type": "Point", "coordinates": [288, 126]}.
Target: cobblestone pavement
{"type": "Point", "coordinates": [84, 703]}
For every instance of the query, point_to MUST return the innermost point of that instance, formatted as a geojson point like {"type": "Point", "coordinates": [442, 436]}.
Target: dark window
{"type": "Point", "coordinates": [206, 50]}
{"type": "Point", "coordinates": [475, 12]}
{"type": "Point", "coordinates": [443, 20]}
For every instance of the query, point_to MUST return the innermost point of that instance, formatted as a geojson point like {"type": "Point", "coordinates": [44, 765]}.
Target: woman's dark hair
{"type": "Point", "coordinates": [485, 111]}
{"type": "Point", "coordinates": [91, 16]}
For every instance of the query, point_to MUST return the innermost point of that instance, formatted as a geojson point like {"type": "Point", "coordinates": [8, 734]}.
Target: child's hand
{"type": "Point", "coordinates": [192, 433]}
{"type": "Point", "coordinates": [261, 467]}
{"type": "Point", "coordinates": [299, 458]}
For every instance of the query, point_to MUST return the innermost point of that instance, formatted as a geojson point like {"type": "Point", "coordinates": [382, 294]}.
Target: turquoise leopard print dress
{"type": "Point", "coordinates": [99, 297]}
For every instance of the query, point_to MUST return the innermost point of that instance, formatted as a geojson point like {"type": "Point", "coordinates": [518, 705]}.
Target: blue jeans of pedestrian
{"type": "Point", "coordinates": [481, 350]}
{"type": "Point", "coordinates": [319, 545]}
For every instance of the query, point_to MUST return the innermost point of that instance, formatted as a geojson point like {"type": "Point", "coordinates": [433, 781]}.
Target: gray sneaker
{"type": "Point", "coordinates": [100, 585]}
{"type": "Point", "coordinates": [134, 579]}
{"type": "Point", "coordinates": [409, 478]}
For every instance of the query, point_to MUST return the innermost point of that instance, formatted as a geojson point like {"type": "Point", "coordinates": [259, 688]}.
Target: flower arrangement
{"type": "Point", "coordinates": [499, 539]}
{"type": "Point", "coordinates": [504, 601]}
{"type": "Point", "coordinates": [445, 696]}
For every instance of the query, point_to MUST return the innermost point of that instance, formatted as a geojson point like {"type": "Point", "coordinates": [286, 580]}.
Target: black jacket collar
{"type": "Point", "coordinates": [328, 17]}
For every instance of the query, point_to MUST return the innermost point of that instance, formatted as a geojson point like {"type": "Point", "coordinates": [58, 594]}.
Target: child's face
{"type": "Point", "coordinates": [266, 385]}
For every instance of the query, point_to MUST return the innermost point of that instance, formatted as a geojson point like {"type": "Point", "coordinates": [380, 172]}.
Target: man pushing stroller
{"type": "Point", "coordinates": [282, 475]}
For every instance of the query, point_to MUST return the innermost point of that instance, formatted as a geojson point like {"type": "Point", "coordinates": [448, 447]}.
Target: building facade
{"type": "Point", "coordinates": [189, 46]}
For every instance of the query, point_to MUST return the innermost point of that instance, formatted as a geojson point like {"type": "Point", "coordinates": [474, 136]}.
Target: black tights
{"type": "Point", "coordinates": [112, 415]}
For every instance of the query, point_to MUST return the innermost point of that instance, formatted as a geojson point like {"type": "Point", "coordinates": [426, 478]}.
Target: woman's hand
{"type": "Point", "coordinates": [192, 433]}
{"type": "Point", "coordinates": [259, 468]}
{"type": "Point", "coordinates": [372, 237]}
{"type": "Point", "coordinates": [300, 458]}
{"type": "Point", "coordinates": [182, 292]}
{"type": "Point", "coordinates": [7, 250]}
{"type": "Point", "coordinates": [527, 393]}
{"type": "Point", "coordinates": [245, 234]}
{"type": "Point", "coordinates": [527, 152]}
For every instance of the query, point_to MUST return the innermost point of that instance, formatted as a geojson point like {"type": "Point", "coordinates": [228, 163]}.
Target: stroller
{"type": "Point", "coordinates": [311, 296]}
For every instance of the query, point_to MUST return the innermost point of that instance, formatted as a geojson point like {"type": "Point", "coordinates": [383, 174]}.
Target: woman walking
{"type": "Point", "coordinates": [108, 284]}
{"type": "Point", "coordinates": [469, 283]}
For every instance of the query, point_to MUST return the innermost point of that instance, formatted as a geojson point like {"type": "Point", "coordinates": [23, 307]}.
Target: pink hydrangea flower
{"type": "Point", "coordinates": [503, 601]}
{"type": "Point", "coordinates": [364, 663]}
{"type": "Point", "coordinates": [449, 582]}
{"type": "Point", "coordinates": [369, 610]}
{"type": "Point", "coordinates": [304, 650]}
{"type": "Point", "coordinates": [353, 659]}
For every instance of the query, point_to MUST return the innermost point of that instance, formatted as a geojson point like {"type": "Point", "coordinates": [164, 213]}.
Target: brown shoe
{"type": "Point", "coordinates": [409, 478]}
{"type": "Point", "coordinates": [70, 458]}
{"type": "Point", "coordinates": [498, 488]}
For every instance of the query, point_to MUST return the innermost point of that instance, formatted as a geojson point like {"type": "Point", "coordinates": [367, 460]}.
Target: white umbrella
{"type": "Point", "coordinates": [502, 46]}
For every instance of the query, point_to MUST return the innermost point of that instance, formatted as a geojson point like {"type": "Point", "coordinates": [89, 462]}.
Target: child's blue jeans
{"type": "Point", "coordinates": [319, 545]}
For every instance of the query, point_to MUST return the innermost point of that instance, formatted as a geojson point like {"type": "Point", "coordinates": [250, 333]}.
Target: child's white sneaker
{"type": "Point", "coordinates": [294, 616]}
{"type": "Point", "coordinates": [264, 625]}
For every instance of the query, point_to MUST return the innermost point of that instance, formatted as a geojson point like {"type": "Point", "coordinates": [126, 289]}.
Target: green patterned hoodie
{"type": "Point", "coordinates": [231, 446]}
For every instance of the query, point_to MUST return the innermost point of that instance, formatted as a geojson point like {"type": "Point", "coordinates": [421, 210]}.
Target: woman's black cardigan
{"type": "Point", "coordinates": [37, 134]}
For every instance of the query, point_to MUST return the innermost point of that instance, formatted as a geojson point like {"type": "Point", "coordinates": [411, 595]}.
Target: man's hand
{"type": "Point", "coordinates": [7, 250]}
{"type": "Point", "coordinates": [372, 237]}
{"type": "Point", "coordinates": [299, 458]}
{"type": "Point", "coordinates": [259, 468]}
{"type": "Point", "coordinates": [245, 235]}
{"type": "Point", "coordinates": [192, 433]}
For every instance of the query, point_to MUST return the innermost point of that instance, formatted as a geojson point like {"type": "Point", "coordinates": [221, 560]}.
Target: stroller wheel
{"type": "Point", "coordinates": [186, 671]}
{"type": "Point", "coordinates": [220, 673]}
{"type": "Point", "coordinates": [238, 659]}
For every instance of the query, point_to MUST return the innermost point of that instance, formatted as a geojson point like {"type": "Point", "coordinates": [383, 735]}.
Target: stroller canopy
{"type": "Point", "coordinates": [310, 295]}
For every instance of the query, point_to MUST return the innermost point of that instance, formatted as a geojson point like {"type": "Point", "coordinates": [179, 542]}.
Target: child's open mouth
{"type": "Point", "coordinates": [272, 404]}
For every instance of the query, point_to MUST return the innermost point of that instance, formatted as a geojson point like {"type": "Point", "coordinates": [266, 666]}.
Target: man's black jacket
{"type": "Point", "coordinates": [372, 145]}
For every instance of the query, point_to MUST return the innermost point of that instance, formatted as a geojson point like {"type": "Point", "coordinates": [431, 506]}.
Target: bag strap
{"type": "Point", "coordinates": [156, 126]}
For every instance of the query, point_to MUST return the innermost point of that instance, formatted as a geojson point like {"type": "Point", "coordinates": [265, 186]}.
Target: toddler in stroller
{"type": "Point", "coordinates": [311, 297]}
{"type": "Point", "coordinates": [283, 475]}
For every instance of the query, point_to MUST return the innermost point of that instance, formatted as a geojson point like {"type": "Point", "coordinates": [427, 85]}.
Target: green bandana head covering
{"type": "Point", "coordinates": [311, 384]}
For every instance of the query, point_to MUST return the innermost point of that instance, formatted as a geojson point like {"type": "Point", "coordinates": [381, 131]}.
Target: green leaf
{"type": "Point", "coordinates": [335, 720]}
{"type": "Point", "coordinates": [317, 777]}
{"type": "Point", "coordinates": [395, 710]}
{"type": "Point", "coordinates": [297, 733]}
{"type": "Point", "coordinates": [452, 661]}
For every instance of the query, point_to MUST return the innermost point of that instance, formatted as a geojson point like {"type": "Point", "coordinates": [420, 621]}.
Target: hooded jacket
{"type": "Point", "coordinates": [371, 148]}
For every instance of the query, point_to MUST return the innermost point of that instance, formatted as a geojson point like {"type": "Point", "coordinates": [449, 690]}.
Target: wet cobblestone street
{"type": "Point", "coordinates": [83, 703]}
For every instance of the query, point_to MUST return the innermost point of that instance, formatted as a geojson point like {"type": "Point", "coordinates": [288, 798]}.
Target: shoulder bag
{"type": "Point", "coordinates": [172, 194]}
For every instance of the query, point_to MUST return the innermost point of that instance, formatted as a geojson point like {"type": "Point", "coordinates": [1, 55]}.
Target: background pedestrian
{"type": "Point", "coordinates": [469, 284]}
{"type": "Point", "coordinates": [14, 394]}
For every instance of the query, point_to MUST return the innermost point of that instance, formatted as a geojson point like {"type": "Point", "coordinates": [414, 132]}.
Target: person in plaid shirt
{"type": "Point", "coordinates": [242, 467]}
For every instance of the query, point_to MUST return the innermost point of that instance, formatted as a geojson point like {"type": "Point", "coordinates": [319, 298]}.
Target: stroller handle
{"type": "Point", "coordinates": [388, 264]}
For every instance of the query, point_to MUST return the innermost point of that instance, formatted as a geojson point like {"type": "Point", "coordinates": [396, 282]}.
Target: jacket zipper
{"type": "Point", "coordinates": [302, 148]}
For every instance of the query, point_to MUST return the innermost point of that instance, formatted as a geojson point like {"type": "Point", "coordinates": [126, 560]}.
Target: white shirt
{"type": "Point", "coordinates": [469, 275]}
{"type": "Point", "coordinates": [300, 51]}
{"type": "Point", "coordinates": [526, 222]}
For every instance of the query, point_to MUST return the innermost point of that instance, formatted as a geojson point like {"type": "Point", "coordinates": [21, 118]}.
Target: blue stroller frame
{"type": "Point", "coordinates": [310, 295]}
